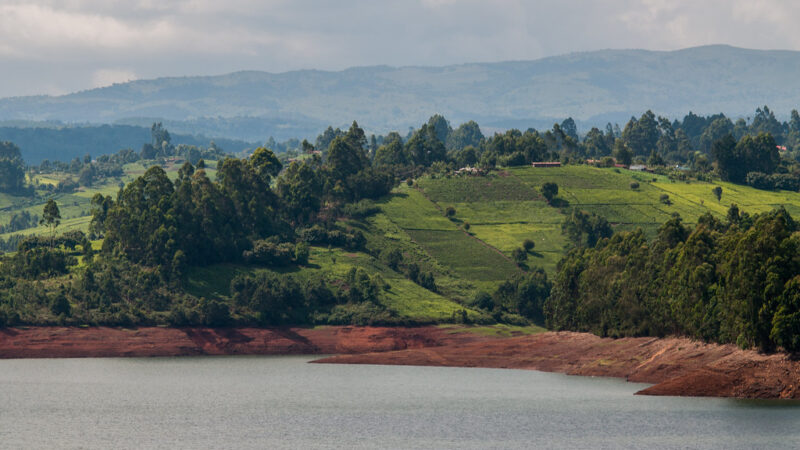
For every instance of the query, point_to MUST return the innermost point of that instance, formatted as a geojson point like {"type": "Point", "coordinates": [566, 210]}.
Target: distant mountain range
{"type": "Point", "coordinates": [592, 87]}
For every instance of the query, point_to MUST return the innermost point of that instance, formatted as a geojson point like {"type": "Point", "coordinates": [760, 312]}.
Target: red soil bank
{"type": "Point", "coordinates": [70, 342]}
{"type": "Point", "coordinates": [676, 366]}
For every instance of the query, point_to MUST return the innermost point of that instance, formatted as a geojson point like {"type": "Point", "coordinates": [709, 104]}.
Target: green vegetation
{"type": "Point", "coordinates": [336, 237]}
{"type": "Point", "coordinates": [732, 281]}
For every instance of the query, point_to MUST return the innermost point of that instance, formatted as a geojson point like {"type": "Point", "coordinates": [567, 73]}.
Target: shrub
{"type": "Point", "coordinates": [549, 191]}
{"type": "Point", "coordinates": [215, 314]}
{"type": "Point", "coordinates": [634, 185]}
{"type": "Point", "coordinates": [717, 191]}
{"type": "Point", "coordinates": [467, 226]}
{"type": "Point", "coordinates": [271, 254]}
{"type": "Point", "coordinates": [483, 300]}
{"type": "Point", "coordinates": [519, 256]}
{"type": "Point", "coordinates": [450, 211]}
{"type": "Point", "coordinates": [392, 257]}
{"type": "Point", "coordinates": [664, 198]}
{"type": "Point", "coordinates": [361, 209]}
{"type": "Point", "coordinates": [427, 281]}
{"type": "Point", "coordinates": [528, 245]}
{"type": "Point", "coordinates": [301, 253]}
{"type": "Point", "coordinates": [60, 305]}
{"type": "Point", "coordinates": [413, 272]}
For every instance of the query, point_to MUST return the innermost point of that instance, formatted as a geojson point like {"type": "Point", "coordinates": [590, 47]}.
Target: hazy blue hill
{"type": "Point", "coordinates": [592, 87]}
{"type": "Point", "coordinates": [63, 143]}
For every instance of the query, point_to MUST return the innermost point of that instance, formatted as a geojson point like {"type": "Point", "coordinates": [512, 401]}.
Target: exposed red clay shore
{"type": "Point", "coordinates": [74, 342]}
{"type": "Point", "coordinates": [676, 366]}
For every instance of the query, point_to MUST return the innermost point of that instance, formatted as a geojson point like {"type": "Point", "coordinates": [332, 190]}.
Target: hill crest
{"type": "Point", "coordinates": [592, 87]}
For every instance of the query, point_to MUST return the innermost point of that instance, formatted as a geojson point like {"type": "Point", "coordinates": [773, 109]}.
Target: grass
{"type": "Point", "coordinates": [478, 189]}
{"type": "Point", "coordinates": [410, 210]}
{"type": "Point", "coordinates": [466, 256]}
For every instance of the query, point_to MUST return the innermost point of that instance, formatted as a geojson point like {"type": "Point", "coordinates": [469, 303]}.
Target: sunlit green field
{"type": "Point", "coordinates": [504, 210]}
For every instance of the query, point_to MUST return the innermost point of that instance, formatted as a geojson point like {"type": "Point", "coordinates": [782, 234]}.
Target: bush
{"type": "Point", "coordinates": [301, 253]}
{"type": "Point", "coordinates": [528, 245]}
{"type": "Point", "coordinates": [483, 300]}
{"type": "Point", "coordinates": [215, 314]}
{"type": "Point", "coordinates": [467, 226]}
{"type": "Point", "coordinates": [271, 254]}
{"type": "Point", "coordinates": [361, 209]}
{"type": "Point", "coordinates": [392, 257]}
{"type": "Point", "coordinates": [664, 198]}
{"type": "Point", "coordinates": [519, 256]}
{"type": "Point", "coordinates": [413, 272]}
{"type": "Point", "coordinates": [549, 191]}
{"type": "Point", "coordinates": [427, 281]}
{"type": "Point", "coordinates": [634, 185]}
{"type": "Point", "coordinates": [319, 235]}
{"type": "Point", "coordinates": [60, 305]}
{"type": "Point", "coordinates": [450, 211]}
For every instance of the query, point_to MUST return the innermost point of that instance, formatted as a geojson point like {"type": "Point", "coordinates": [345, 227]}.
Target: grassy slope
{"type": "Point", "coordinates": [505, 209]}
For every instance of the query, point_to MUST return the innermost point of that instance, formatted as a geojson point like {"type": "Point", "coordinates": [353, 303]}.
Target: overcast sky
{"type": "Point", "coordinates": [60, 46]}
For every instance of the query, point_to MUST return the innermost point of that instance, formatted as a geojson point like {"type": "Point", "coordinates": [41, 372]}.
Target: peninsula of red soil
{"type": "Point", "coordinates": [676, 366]}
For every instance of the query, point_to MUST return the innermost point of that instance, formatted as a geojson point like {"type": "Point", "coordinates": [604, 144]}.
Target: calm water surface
{"type": "Point", "coordinates": [282, 402]}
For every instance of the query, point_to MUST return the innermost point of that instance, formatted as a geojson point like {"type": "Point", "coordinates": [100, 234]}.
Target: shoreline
{"type": "Point", "coordinates": [674, 366]}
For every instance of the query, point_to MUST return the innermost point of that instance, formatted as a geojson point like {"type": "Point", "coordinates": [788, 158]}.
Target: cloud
{"type": "Point", "coordinates": [82, 43]}
{"type": "Point", "coordinates": [43, 28]}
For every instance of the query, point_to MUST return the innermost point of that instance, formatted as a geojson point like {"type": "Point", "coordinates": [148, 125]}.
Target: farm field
{"type": "Point", "coordinates": [505, 209]}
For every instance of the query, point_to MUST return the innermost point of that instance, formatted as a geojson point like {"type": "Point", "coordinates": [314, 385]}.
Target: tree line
{"type": "Point", "coordinates": [728, 281]}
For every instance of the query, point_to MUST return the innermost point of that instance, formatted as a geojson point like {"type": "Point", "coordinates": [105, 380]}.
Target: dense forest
{"type": "Point", "coordinates": [733, 281]}
{"type": "Point", "coordinates": [269, 210]}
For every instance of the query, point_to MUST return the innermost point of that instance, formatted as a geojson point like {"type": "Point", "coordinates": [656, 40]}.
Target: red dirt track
{"type": "Point", "coordinates": [676, 366]}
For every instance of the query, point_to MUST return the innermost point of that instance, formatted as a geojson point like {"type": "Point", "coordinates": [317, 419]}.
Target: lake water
{"type": "Point", "coordinates": [283, 402]}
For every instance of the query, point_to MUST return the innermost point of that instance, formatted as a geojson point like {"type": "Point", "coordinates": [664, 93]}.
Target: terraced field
{"type": "Point", "coordinates": [505, 209]}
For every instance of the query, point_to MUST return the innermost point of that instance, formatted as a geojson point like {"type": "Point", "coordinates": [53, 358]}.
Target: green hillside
{"type": "Point", "coordinates": [503, 209]}
{"type": "Point", "coordinates": [467, 253]}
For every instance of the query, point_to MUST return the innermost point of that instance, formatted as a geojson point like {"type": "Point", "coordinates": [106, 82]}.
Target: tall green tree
{"type": "Point", "coordinates": [51, 218]}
